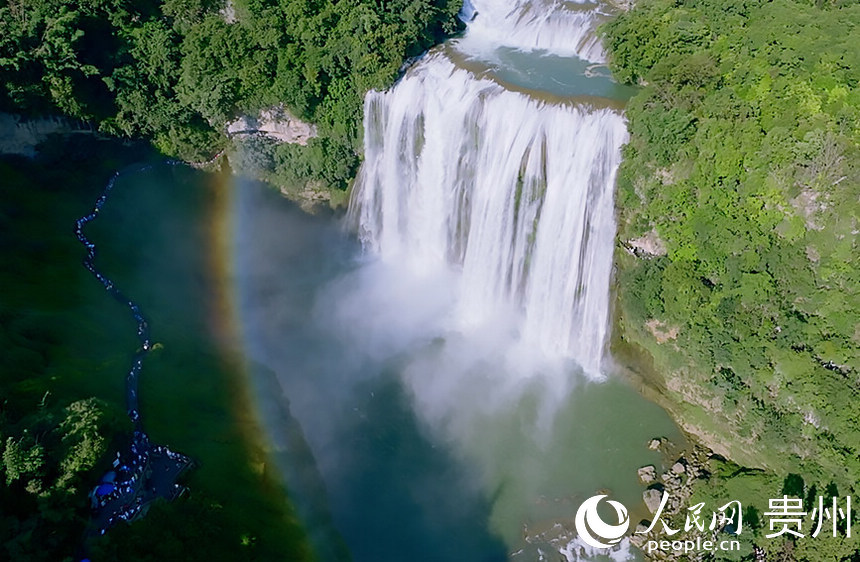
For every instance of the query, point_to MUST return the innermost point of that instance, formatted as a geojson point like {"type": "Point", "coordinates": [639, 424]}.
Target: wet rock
{"type": "Point", "coordinates": [639, 537]}
{"type": "Point", "coordinates": [678, 482]}
{"type": "Point", "coordinates": [673, 483]}
{"type": "Point", "coordinates": [647, 474]}
{"type": "Point", "coordinates": [652, 499]}
{"type": "Point", "coordinates": [19, 135]}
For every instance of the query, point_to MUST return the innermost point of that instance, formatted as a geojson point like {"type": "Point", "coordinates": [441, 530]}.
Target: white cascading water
{"type": "Point", "coordinates": [563, 28]}
{"type": "Point", "coordinates": [514, 191]}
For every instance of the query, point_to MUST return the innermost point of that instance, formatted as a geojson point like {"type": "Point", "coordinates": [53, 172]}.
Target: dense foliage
{"type": "Point", "coordinates": [743, 173]}
{"type": "Point", "coordinates": [43, 457]}
{"type": "Point", "coordinates": [176, 71]}
{"type": "Point", "coordinates": [754, 489]}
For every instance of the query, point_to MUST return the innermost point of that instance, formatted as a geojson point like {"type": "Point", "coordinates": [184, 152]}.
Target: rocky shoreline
{"type": "Point", "coordinates": [687, 468]}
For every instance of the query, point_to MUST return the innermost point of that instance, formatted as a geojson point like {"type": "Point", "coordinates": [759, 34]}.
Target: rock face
{"type": "Point", "coordinates": [661, 332]}
{"type": "Point", "coordinates": [313, 199]}
{"type": "Point", "coordinates": [228, 12]}
{"type": "Point", "coordinates": [649, 245]}
{"type": "Point", "coordinates": [275, 123]}
{"type": "Point", "coordinates": [21, 136]}
{"type": "Point", "coordinates": [677, 482]}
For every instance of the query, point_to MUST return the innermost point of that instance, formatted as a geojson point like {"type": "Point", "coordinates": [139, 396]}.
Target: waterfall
{"type": "Point", "coordinates": [512, 191]}
{"type": "Point", "coordinates": [566, 28]}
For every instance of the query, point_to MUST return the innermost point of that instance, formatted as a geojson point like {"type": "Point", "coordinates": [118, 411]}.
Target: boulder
{"type": "Point", "coordinates": [647, 474]}
{"type": "Point", "coordinates": [652, 499]}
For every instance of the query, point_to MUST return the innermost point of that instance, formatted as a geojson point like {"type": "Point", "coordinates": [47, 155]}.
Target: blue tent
{"type": "Point", "coordinates": [105, 489]}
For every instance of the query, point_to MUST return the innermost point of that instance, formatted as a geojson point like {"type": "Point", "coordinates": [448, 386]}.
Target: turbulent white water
{"type": "Point", "coordinates": [433, 375]}
{"type": "Point", "coordinates": [565, 28]}
{"type": "Point", "coordinates": [515, 192]}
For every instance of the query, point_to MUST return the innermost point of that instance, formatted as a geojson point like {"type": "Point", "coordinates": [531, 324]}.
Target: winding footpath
{"type": "Point", "coordinates": [131, 380]}
{"type": "Point", "coordinates": [144, 471]}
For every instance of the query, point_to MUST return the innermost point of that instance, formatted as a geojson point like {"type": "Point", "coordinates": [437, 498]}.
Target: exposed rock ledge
{"type": "Point", "coordinates": [649, 245]}
{"type": "Point", "coordinates": [21, 136]}
{"type": "Point", "coordinates": [275, 123]}
{"type": "Point", "coordinates": [661, 331]}
{"type": "Point", "coordinates": [228, 12]}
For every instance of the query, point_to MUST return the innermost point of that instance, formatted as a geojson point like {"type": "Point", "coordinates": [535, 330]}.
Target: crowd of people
{"type": "Point", "coordinates": [145, 471]}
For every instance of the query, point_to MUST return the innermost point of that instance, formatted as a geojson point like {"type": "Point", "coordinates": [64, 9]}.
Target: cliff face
{"type": "Point", "coordinates": [275, 123]}
{"type": "Point", "coordinates": [738, 209]}
{"type": "Point", "coordinates": [737, 263]}
{"type": "Point", "coordinates": [21, 136]}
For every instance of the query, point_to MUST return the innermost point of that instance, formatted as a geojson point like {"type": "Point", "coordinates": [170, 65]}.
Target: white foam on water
{"type": "Point", "coordinates": [561, 28]}
{"type": "Point", "coordinates": [578, 550]}
{"type": "Point", "coordinates": [490, 214]}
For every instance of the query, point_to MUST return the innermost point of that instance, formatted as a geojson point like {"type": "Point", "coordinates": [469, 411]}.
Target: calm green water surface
{"type": "Point", "coordinates": [546, 74]}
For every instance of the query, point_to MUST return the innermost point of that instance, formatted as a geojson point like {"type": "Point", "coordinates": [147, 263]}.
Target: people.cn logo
{"type": "Point", "coordinates": [593, 530]}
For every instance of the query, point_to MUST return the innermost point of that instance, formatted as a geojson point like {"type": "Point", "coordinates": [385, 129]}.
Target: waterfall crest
{"type": "Point", "coordinates": [563, 28]}
{"type": "Point", "coordinates": [514, 192]}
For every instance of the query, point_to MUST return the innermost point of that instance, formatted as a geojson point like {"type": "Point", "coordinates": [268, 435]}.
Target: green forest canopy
{"type": "Point", "coordinates": [744, 159]}
{"type": "Point", "coordinates": [177, 71]}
